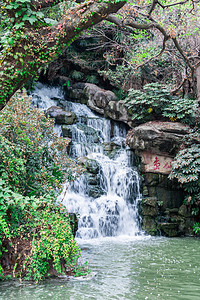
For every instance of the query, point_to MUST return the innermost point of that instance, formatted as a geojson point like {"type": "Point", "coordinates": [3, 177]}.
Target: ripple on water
{"type": "Point", "coordinates": [141, 268]}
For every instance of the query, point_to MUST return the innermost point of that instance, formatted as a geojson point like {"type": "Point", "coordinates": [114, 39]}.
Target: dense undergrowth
{"type": "Point", "coordinates": [186, 169]}
{"type": "Point", "coordinates": [155, 102]}
{"type": "Point", "coordinates": [36, 237]}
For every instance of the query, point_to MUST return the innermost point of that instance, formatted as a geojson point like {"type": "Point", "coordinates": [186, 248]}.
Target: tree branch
{"type": "Point", "coordinates": [173, 4]}
{"type": "Point", "coordinates": [39, 46]}
{"type": "Point", "coordinates": [153, 5]}
{"type": "Point", "coordinates": [156, 56]}
{"type": "Point", "coordinates": [180, 85]}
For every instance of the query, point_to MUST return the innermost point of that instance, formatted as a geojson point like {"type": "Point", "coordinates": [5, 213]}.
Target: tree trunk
{"type": "Point", "coordinates": [198, 83]}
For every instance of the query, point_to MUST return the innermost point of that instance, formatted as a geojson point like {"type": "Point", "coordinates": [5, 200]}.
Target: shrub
{"type": "Point", "coordinates": [33, 159]}
{"type": "Point", "coordinates": [155, 102]}
{"type": "Point", "coordinates": [186, 169]}
{"type": "Point", "coordinates": [37, 234]}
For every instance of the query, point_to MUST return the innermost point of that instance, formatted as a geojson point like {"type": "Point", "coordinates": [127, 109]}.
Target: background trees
{"type": "Point", "coordinates": [31, 41]}
{"type": "Point", "coordinates": [144, 42]}
{"type": "Point", "coordinates": [145, 39]}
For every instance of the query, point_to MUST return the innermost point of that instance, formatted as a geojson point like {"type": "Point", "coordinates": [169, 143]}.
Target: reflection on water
{"type": "Point", "coordinates": [141, 268]}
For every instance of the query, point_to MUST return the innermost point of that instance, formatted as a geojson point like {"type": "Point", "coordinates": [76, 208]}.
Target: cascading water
{"type": "Point", "coordinates": [112, 209]}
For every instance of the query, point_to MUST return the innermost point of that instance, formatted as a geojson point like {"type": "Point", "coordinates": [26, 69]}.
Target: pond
{"type": "Point", "coordinates": [140, 267]}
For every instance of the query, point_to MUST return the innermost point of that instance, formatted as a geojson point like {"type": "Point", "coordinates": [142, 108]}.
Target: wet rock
{"type": "Point", "coordinates": [169, 229]}
{"type": "Point", "coordinates": [92, 166]}
{"type": "Point", "coordinates": [73, 223]}
{"type": "Point", "coordinates": [171, 211]}
{"type": "Point", "coordinates": [92, 95]}
{"type": "Point", "coordinates": [117, 111]}
{"type": "Point", "coordinates": [149, 225]}
{"type": "Point", "coordinates": [92, 179]}
{"type": "Point", "coordinates": [66, 131]}
{"type": "Point", "coordinates": [61, 116]}
{"type": "Point", "coordinates": [90, 133]}
{"type": "Point", "coordinates": [77, 92]}
{"type": "Point", "coordinates": [82, 160]}
{"type": "Point", "coordinates": [184, 211]}
{"type": "Point", "coordinates": [95, 191]}
{"type": "Point", "coordinates": [110, 146]}
{"type": "Point", "coordinates": [168, 192]}
{"type": "Point", "coordinates": [149, 207]}
{"type": "Point", "coordinates": [151, 201]}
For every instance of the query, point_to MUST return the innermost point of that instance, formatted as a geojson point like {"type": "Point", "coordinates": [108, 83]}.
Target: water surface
{"type": "Point", "coordinates": [125, 268]}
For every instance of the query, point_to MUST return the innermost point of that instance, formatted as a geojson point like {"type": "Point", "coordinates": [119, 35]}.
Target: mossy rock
{"type": "Point", "coordinates": [150, 201]}
{"type": "Point", "coordinates": [149, 211]}
{"type": "Point", "coordinates": [61, 116]}
{"type": "Point", "coordinates": [185, 211]}
{"type": "Point", "coordinates": [92, 166]}
{"type": "Point", "coordinates": [95, 192]}
{"type": "Point", "coordinates": [149, 225]}
{"type": "Point", "coordinates": [90, 133]}
{"type": "Point", "coordinates": [169, 229]}
{"type": "Point", "coordinates": [66, 131]}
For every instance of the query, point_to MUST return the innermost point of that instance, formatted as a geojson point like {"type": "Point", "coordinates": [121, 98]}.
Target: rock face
{"type": "Point", "coordinates": [92, 177]}
{"type": "Point", "coordinates": [157, 137]}
{"type": "Point", "coordinates": [61, 116]}
{"type": "Point", "coordinates": [92, 95]}
{"type": "Point", "coordinates": [117, 111]}
{"type": "Point", "coordinates": [169, 222]}
{"type": "Point", "coordinates": [157, 143]}
{"type": "Point", "coordinates": [102, 101]}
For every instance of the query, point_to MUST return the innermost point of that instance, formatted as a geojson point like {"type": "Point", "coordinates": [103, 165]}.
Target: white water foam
{"type": "Point", "coordinates": [114, 213]}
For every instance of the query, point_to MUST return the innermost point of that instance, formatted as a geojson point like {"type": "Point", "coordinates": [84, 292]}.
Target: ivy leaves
{"type": "Point", "coordinates": [23, 13]}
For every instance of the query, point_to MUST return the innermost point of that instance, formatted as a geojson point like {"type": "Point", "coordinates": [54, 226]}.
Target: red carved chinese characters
{"type": "Point", "coordinates": [168, 165]}
{"type": "Point", "coordinates": [156, 164]}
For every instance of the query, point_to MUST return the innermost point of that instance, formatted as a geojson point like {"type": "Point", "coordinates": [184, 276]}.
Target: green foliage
{"type": "Point", "coordinates": [92, 79]}
{"type": "Point", "coordinates": [21, 13]}
{"type": "Point", "coordinates": [44, 226]}
{"type": "Point", "coordinates": [33, 165]}
{"type": "Point", "coordinates": [155, 102]}
{"type": "Point", "coordinates": [33, 160]}
{"type": "Point", "coordinates": [196, 228]}
{"type": "Point", "coordinates": [76, 74]}
{"type": "Point", "coordinates": [186, 169]}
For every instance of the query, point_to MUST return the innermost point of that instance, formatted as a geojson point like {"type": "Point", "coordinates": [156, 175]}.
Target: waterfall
{"type": "Point", "coordinates": [105, 199]}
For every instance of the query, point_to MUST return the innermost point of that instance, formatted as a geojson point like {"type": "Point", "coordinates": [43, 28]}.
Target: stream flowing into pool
{"type": "Point", "coordinates": [125, 263]}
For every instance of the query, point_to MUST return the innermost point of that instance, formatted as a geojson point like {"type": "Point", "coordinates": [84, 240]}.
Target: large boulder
{"type": "Point", "coordinates": [61, 116]}
{"type": "Point", "coordinates": [158, 137]}
{"type": "Point", "coordinates": [117, 111]}
{"type": "Point", "coordinates": [92, 95]}
{"type": "Point", "coordinates": [92, 166]}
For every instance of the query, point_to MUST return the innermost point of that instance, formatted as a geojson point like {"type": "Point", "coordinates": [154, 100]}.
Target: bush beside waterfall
{"type": "Point", "coordinates": [36, 238]}
{"type": "Point", "coordinates": [156, 103]}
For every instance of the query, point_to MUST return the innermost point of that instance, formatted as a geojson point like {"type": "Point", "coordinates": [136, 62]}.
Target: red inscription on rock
{"type": "Point", "coordinates": [156, 164]}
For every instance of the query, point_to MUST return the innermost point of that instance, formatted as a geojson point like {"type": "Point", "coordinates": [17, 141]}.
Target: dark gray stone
{"type": "Point", "coordinates": [92, 166]}
{"type": "Point", "coordinates": [149, 225]}
{"type": "Point", "coordinates": [169, 229]}
{"type": "Point", "coordinates": [95, 192]}
{"type": "Point", "coordinates": [61, 116]}
{"type": "Point", "coordinates": [184, 211]}
{"type": "Point", "coordinates": [66, 131]}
